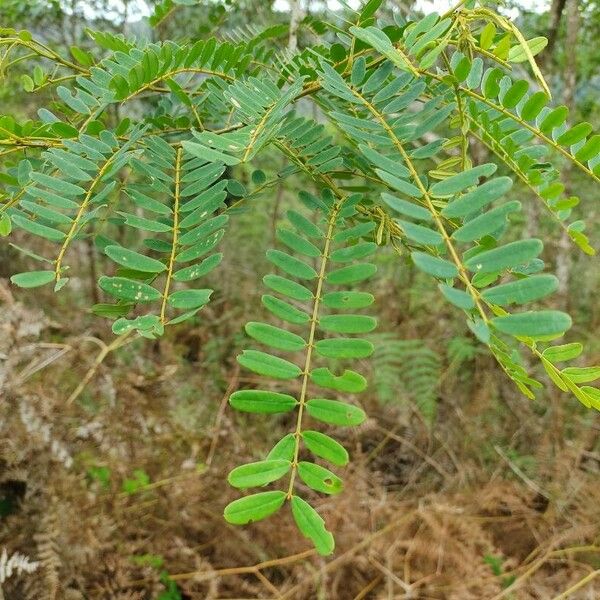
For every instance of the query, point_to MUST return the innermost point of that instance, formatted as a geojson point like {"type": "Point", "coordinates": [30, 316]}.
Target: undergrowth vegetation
{"type": "Point", "coordinates": [359, 209]}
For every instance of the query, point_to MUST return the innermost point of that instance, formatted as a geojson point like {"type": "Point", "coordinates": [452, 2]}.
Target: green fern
{"type": "Point", "coordinates": [407, 370]}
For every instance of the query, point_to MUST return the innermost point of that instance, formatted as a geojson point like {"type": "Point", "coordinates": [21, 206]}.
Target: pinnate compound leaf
{"type": "Point", "coordinates": [254, 508]}
{"type": "Point", "coordinates": [312, 526]}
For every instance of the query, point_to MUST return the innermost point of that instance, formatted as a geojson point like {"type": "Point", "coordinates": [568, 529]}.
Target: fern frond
{"type": "Point", "coordinates": [407, 369]}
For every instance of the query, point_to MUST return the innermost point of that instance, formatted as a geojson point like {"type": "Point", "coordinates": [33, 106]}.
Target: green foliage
{"type": "Point", "coordinates": [147, 150]}
{"type": "Point", "coordinates": [407, 370]}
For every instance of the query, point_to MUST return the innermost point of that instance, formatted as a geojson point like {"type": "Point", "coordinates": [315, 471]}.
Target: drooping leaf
{"type": "Point", "coordinates": [312, 526]}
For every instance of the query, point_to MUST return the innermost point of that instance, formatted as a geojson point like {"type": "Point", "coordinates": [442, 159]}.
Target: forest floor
{"type": "Point", "coordinates": [117, 485]}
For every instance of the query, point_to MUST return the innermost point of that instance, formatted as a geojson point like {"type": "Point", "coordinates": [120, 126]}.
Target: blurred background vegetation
{"type": "Point", "coordinates": [459, 487]}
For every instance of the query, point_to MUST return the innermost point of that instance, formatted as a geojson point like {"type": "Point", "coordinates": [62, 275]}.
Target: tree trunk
{"type": "Point", "coordinates": [295, 16]}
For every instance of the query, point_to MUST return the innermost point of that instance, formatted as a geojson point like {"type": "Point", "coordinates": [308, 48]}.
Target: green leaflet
{"type": "Point", "coordinates": [201, 248]}
{"type": "Point", "coordinates": [312, 526]}
{"type": "Point", "coordinates": [134, 260]}
{"type": "Point", "coordinates": [521, 291]}
{"type": "Point", "coordinates": [283, 449]}
{"type": "Point", "coordinates": [541, 324]}
{"type": "Point", "coordinates": [533, 106]}
{"type": "Point", "coordinates": [302, 224]}
{"type": "Point", "coordinates": [143, 223]}
{"type": "Point", "coordinates": [508, 256]}
{"type": "Point", "coordinates": [457, 183]}
{"type": "Point", "coordinates": [399, 184]}
{"type": "Point", "coordinates": [258, 473]}
{"type": "Point", "coordinates": [485, 224]}
{"type": "Point", "coordinates": [208, 154]}
{"type": "Point", "coordinates": [266, 364]}
{"type": "Point", "coordinates": [515, 93]}
{"type": "Point", "coordinates": [203, 230]}
{"type": "Point", "coordinates": [319, 478]}
{"type": "Point", "coordinates": [126, 289]}
{"type": "Point", "coordinates": [33, 279]}
{"type": "Point", "coordinates": [287, 287]}
{"type": "Point", "coordinates": [283, 310]}
{"type": "Point", "coordinates": [590, 149]}
{"type": "Point", "coordinates": [35, 228]}
{"type": "Point", "coordinates": [298, 243]}
{"type": "Point", "coordinates": [275, 336]}
{"type": "Point", "coordinates": [58, 185]}
{"type": "Point", "coordinates": [352, 253]}
{"type": "Point", "coordinates": [582, 374]}
{"type": "Point", "coordinates": [408, 209]}
{"type": "Point", "coordinates": [189, 299]}
{"type": "Point", "coordinates": [555, 118]}
{"type": "Point", "coordinates": [344, 348]}
{"type": "Point", "coordinates": [262, 401]}
{"type": "Point", "coordinates": [563, 352]}
{"type": "Point", "coordinates": [349, 381]}
{"type": "Point", "coordinates": [419, 234]}
{"type": "Point", "coordinates": [254, 508]}
{"type": "Point", "coordinates": [291, 265]}
{"type": "Point", "coordinates": [198, 270]}
{"type": "Point", "coordinates": [351, 274]}
{"type": "Point", "coordinates": [348, 300]}
{"type": "Point", "coordinates": [335, 413]}
{"type": "Point", "coordinates": [325, 447]}
{"type": "Point", "coordinates": [347, 323]}
{"type": "Point", "coordinates": [5, 225]}
{"type": "Point", "coordinates": [434, 265]}
{"type": "Point", "coordinates": [477, 199]}
{"type": "Point", "coordinates": [574, 134]}
{"type": "Point", "coordinates": [458, 298]}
